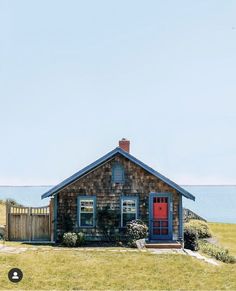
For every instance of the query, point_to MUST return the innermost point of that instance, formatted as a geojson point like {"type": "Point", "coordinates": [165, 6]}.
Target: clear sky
{"type": "Point", "coordinates": [76, 76]}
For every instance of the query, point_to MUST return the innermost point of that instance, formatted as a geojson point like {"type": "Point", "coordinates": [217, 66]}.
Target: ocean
{"type": "Point", "coordinates": [214, 203]}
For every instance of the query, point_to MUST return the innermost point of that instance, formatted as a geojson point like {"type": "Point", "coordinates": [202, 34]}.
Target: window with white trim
{"type": "Point", "coordinates": [86, 214]}
{"type": "Point", "coordinates": [129, 209]}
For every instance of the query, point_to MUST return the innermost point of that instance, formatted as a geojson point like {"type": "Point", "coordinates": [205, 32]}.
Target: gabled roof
{"type": "Point", "coordinates": [106, 157]}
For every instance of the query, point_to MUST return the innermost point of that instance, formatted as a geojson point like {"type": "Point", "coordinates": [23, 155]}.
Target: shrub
{"type": "Point", "coordinates": [190, 238]}
{"type": "Point", "coordinates": [217, 252]}
{"type": "Point", "coordinates": [73, 239]}
{"type": "Point", "coordinates": [69, 239]}
{"type": "Point", "coordinates": [13, 202]}
{"type": "Point", "coordinates": [201, 228]}
{"type": "Point", "coordinates": [107, 221]}
{"type": "Point", "coordinates": [80, 239]}
{"type": "Point", "coordinates": [136, 229]}
{"type": "Point", "coordinates": [2, 232]}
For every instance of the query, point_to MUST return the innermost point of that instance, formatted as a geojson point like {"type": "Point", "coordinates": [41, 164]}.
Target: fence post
{"type": "Point", "coordinates": [30, 223]}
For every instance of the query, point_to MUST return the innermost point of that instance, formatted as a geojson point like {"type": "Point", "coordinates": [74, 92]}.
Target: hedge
{"type": "Point", "coordinates": [201, 227]}
{"type": "Point", "coordinates": [190, 238]}
{"type": "Point", "coordinates": [217, 252]}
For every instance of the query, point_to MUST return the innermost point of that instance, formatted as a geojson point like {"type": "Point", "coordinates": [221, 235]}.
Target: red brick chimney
{"type": "Point", "coordinates": [124, 144]}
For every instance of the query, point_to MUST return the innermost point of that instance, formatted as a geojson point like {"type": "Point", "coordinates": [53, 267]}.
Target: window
{"type": "Point", "coordinates": [129, 209]}
{"type": "Point", "coordinates": [86, 211]}
{"type": "Point", "coordinates": [118, 173]}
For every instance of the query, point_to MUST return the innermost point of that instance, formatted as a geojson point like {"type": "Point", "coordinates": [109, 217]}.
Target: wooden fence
{"type": "Point", "coordinates": [28, 223]}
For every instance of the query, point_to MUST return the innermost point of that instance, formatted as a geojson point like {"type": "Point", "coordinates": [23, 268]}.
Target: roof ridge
{"type": "Point", "coordinates": [104, 158]}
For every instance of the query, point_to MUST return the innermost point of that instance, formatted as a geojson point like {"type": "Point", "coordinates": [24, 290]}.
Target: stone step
{"type": "Point", "coordinates": [175, 245]}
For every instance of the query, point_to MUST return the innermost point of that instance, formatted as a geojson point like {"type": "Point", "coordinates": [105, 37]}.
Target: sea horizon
{"type": "Point", "coordinates": [214, 202]}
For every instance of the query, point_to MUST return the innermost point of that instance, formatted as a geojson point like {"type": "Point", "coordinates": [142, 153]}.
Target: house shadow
{"type": "Point", "coordinates": [88, 244]}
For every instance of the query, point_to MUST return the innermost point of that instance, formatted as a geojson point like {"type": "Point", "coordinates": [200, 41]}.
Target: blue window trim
{"type": "Point", "coordinates": [114, 167]}
{"type": "Point", "coordinates": [55, 202]}
{"type": "Point", "coordinates": [181, 235]}
{"type": "Point", "coordinates": [124, 197]}
{"type": "Point", "coordinates": [87, 197]}
{"type": "Point", "coordinates": [170, 215]}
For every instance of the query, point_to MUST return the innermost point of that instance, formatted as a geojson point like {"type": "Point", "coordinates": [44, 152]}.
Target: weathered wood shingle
{"type": "Point", "coordinates": [138, 182]}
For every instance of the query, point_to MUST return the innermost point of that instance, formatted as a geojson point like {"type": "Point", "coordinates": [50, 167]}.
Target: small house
{"type": "Point", "coordinates": [125, 186]}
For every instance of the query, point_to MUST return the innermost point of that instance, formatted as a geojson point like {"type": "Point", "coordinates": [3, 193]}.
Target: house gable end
{"type": "Point", "coordinates": [105, 159]}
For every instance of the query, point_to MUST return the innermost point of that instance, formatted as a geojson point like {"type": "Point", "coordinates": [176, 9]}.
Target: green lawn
{"type": "Point", "coordinates": [114, 269]}
{"type": "Point", "coordinates": [89, 269]}
{"type": "Point", "coordinates": [226, 235]}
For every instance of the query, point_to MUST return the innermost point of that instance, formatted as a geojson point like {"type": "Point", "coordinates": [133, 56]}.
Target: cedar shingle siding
{"type": "Point", "coordinates": [137, 182]}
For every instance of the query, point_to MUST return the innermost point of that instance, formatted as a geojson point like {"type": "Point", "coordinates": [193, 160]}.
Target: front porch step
{"type": "Point", "coordinates": [162, 245]}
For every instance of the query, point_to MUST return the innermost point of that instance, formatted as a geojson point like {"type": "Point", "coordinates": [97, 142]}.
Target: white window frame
{"type": "Point", "coordinates": [88, 198]}
{"type": "Point", "coordinates": [124, 198]}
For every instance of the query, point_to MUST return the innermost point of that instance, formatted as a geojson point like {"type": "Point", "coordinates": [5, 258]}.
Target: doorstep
{"type": "Point", "coordinates": [163, 245]}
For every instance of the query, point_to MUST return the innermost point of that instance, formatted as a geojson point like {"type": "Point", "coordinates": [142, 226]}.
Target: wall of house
{"type": "Point", "coordinates": [138, 182]}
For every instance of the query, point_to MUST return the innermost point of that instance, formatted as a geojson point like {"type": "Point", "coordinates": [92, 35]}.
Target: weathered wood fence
{"type": "Point", "coordinates": [28, 223]}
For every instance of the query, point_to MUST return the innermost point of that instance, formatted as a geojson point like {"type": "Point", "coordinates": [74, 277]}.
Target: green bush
{"type": "Point", "coordinates": [201, 228]}
{"type": "Point", "coordinates": [107, 222]}
{"type": "Point", "coordinates": [80, 239]}
{"type": "Point", "coordinates": [73, 239]}
{"type": "Point", "coordinates": [190, 238]}
{"type": "Point", "coordinates": [70, 239]}
{"type": "Point", "coordinates": [13, 202]}
{"type": "Point", "coordinates": [136, 229]}
{"type": "Point", "coordinates": [217, 252]}
{"type": "Point", "coordinates": [2, 233]}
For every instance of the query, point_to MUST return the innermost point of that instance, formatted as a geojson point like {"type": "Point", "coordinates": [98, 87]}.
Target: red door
{"type": "Point", "coordinates": [160, 217]}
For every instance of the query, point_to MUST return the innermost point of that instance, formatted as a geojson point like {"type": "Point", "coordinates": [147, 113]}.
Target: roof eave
{"type": "Point", "coordinates": [160, 176]}
{"type": "Point", "coordinates": [98, 162]}
{"type": "Point", "coordinates": [78, 174]}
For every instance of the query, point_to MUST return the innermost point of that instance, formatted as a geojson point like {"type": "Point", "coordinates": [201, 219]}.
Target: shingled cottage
{"type": "Point", "coordinates": [127, 187]}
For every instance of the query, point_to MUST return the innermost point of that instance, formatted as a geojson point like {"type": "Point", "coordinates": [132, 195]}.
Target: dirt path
{"type": "Point", "coordinates": [12, 250]}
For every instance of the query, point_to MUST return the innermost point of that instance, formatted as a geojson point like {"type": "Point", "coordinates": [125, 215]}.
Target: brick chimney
{"type": "Point", "coordinates": [124, 144]}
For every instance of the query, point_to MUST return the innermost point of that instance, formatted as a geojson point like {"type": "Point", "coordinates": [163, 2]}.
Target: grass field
{"type": "Point", "coordinates": [89, 269]}
{"type": "Point", "coordinates": [226, 235]}
{"type": "Point", "coordinates": [114, 269]}
{"type": "Point", "coordinates": [49, 268]}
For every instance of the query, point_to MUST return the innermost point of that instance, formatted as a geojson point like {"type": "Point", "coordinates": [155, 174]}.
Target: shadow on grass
{"type": "Point", "coordinates": [97, 244]}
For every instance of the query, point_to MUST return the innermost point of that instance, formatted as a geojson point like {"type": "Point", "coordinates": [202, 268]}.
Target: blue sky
{"type": "Point", "coordinates": [76, 76]}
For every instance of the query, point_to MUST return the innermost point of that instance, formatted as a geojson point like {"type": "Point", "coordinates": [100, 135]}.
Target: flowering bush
{"type": "Point", "coordinates": [201, 227]}
{"type": "Point", "coordinates": [217, 252]}
{"type": "Point", "coordinates": [69, 239]}
{"type": "Point", "coordinates": [136, 229]}
{"type": "Point", "coordinates": [73, 239]}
